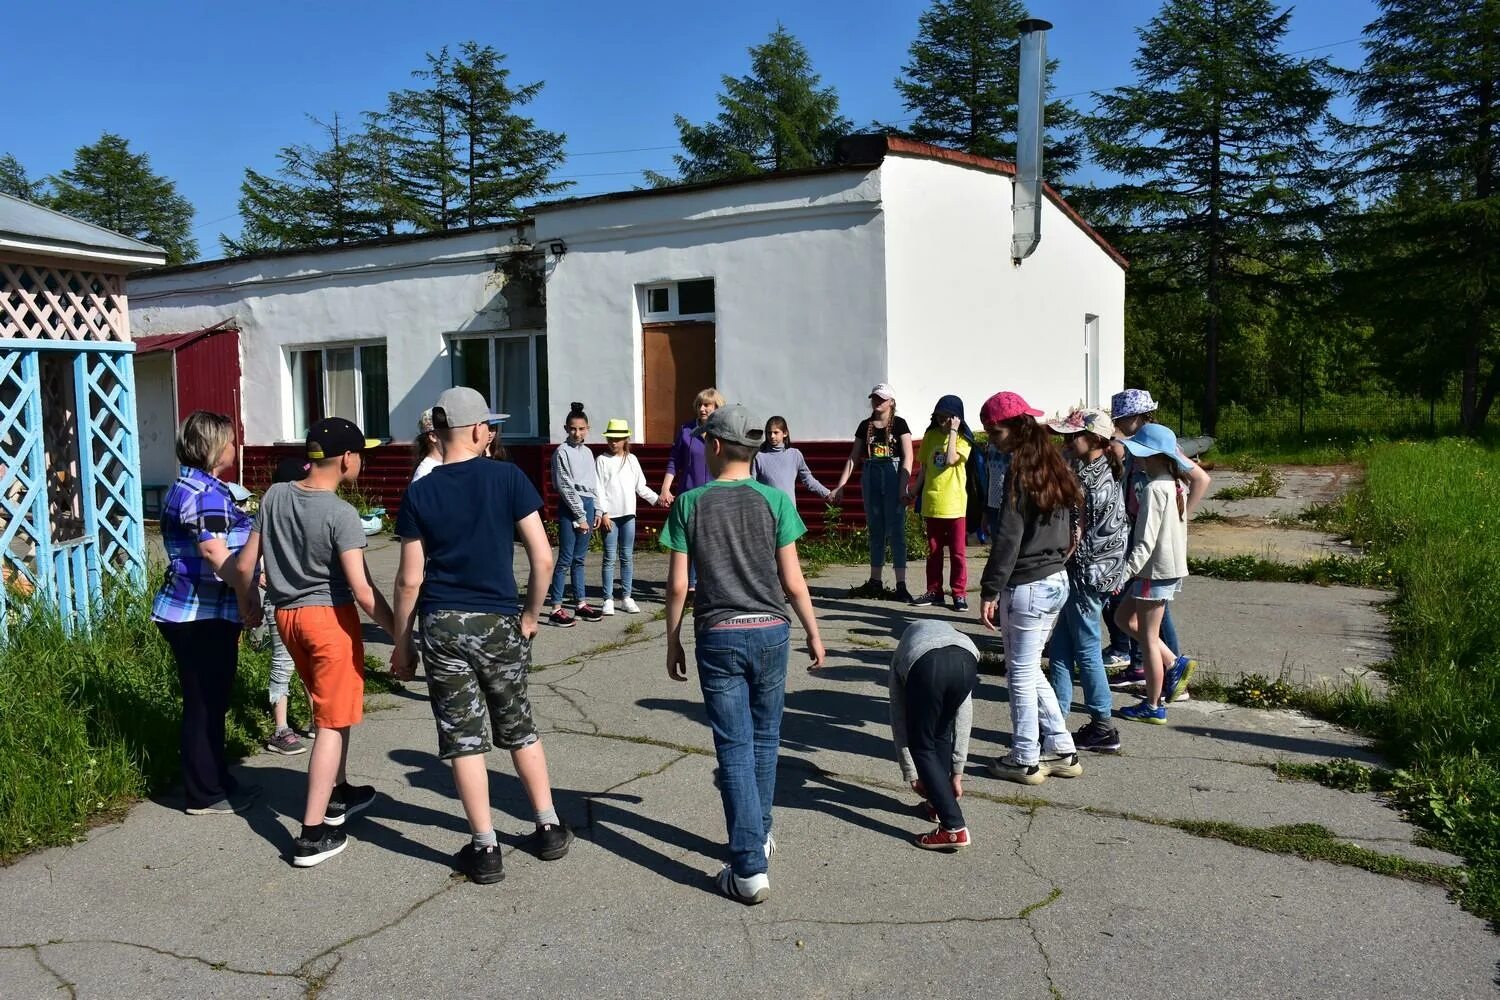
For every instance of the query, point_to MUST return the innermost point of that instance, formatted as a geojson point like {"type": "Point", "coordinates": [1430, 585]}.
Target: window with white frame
{"type": "Point", "coordinates": [341, 380]}
{"type": "Point", "coordinates": [672, 300]}
{"type": "Point", "coordinates": [510, 369]}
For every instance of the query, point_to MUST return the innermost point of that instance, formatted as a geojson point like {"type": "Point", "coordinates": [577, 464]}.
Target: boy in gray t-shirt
{"type": "Point", "coordinates": [742, 536]}
{"type": "Point", "coordinates": [313, 548]}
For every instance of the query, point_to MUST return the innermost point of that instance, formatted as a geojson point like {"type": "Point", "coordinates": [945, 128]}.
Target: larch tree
{"type": "Point", "coordinates": [1425, 163]}
{"type": "Point", "coordinates": [776, 118]}
{"type": "Point", "coordinates": [962, 78]}
{"type": "Point", "coordinates": [1219, 144]}
{"type": "Point", "coordinates": [113, 187]}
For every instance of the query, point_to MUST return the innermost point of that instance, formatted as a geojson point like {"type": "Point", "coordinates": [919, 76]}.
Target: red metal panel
{"type": "Point", "coordinates": [208, 378]}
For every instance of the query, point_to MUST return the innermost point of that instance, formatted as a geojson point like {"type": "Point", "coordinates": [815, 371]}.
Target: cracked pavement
{"type": "Point", "coordinates": [1071, 890]}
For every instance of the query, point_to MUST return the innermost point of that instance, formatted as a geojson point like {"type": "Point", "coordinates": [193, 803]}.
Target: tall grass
{"type": "Point", "coordinates": [1430, 511]}
{"type": "Point", "coordinates": [90, 723]}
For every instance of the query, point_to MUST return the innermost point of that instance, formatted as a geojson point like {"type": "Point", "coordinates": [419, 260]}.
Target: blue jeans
{"type": "Point", "coordinates": [1075, 643]}
{"type": "Point", "coordinates": [1119, 639]}
{"type": "Point", "coordinates": [884, 513]}
{"type": "Point", "coordinates": [1027, 613]}
{"type": "Point", "coordinates": [572, 549]}
{"type": "Point", "coordinates": [742, 671]}
{"type": "Point", "coordinates": [621, 540]}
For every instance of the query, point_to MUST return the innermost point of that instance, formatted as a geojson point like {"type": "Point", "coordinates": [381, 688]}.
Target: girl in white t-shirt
{"type": "Point", "coordinates": [426, 450]}
{"type": "Point", "coordinates": [620, 483]}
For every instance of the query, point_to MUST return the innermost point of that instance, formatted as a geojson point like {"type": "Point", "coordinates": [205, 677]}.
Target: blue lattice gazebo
{"type": "Point", "coordinates": [70, 481]}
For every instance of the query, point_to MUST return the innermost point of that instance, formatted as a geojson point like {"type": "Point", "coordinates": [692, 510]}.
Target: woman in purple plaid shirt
{"type": "Point", "coordinates": [198, 606]}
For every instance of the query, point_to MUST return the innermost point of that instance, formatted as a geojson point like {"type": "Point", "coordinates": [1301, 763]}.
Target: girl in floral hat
{"type": "Point", "coordinates": [621, 483]}
{"type": "Point", "coordinates": [1096, 570]}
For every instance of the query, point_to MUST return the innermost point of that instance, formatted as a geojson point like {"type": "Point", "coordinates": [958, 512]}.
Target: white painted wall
{"type": "Point", "coordinates": [799, 272]}
{"type": "Point", "coordinates": [409, 294]}
{"type": "Point", "coordinates": [156, 418]}
{"type": "Point", "coordinates": [964, 320]}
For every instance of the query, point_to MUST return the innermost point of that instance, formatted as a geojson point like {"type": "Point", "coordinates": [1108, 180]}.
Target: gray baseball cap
{"type": "Point", "coordinates": [733, 423]}
{"type": "Point", "coordinates": [461, 407]}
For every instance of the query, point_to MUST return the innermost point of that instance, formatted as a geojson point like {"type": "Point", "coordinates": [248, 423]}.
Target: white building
{"type": "Point", "coordinates": [793, 293]}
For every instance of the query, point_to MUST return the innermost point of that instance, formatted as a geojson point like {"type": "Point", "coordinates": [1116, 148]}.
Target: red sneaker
{"type": "Point", "coordinates": [944, 840]}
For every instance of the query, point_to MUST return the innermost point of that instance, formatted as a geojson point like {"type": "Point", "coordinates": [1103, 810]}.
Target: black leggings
{"type": "Point", "coordinates": [935, 689]}
{"type": "Point", "coordinates": [207, 653]}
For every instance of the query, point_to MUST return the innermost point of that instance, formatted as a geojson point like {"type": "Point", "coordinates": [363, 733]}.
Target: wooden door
{"type": "Point", "coordinates": [679, 363]}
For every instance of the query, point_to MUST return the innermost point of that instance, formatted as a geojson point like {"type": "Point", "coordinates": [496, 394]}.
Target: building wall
{"type": "Point", "coordinates": [156, 418]}
{"type": "Point", "coordinates": [965, 320]}
{"type": "Point", "coordinates": [409, 294]}
{"type": "Point", "coordinates": [799, 274]}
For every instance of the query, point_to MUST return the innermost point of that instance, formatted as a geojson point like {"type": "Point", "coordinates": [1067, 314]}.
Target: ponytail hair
{"type": "Point", "coordinates": [1116, 467]}
{"type": "Point", "coordinates": [1037, 466]}
{"type": "Point", "coordinates": [786, 433]}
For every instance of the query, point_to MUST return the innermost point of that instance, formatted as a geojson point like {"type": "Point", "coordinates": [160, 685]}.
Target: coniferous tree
{"type": "Point", "coordinates": [112, 187]}
{"type": "Point", "coordinates": [508, 158]}
{"type": "Point", "coordinates": [1219, 145]}
{"type": "Point", "coordinates": [426, 142]}
{"type": "Point", "coordinates": [1428, 161]}
{"type": "Point", "coordinates": [15, 182]}
{"type": "Point", "coordinates": [776, 118]}
{"type": "Point", "coordinates": [323, 197]}
{"type": "Point", "coordinates": [962, 84]}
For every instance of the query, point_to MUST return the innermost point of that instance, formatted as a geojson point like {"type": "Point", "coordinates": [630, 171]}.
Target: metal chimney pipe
{"type": "Point", "coordinates": [1026, 210]}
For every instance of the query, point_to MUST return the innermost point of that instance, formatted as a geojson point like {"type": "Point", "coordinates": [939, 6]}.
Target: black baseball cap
{"type": "Point", "coordinates": [335, 436]}
{"type": "Point", "coordinates": [289, 470]}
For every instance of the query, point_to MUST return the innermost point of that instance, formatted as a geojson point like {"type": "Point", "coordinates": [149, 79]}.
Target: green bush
{"type": "Point", "coordinates": [89, 723]}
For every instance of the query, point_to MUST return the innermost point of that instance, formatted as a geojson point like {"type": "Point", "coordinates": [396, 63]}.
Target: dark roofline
{"type": "Point", "coordinates": [374, 241]}
{"type": "Point", "coordinates": [726, 182]}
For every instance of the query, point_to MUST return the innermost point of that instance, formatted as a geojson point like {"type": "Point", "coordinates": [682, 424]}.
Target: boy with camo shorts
{"type": "Point", "coordinates": [458, 528]}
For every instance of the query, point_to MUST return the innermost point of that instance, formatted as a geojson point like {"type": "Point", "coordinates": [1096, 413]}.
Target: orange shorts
{"type": "Point", "coordinates": [329, 652]}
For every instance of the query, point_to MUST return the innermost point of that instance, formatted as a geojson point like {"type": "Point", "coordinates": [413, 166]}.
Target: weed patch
{"type": "Point", "coordinates": [90, 723]}
{"type": "Point", "coordinates": [1267, 482]}
{"type": "Point", "coordinates": [1348, 571]}
{"type": "Point", "coordinates": [1341, 773]}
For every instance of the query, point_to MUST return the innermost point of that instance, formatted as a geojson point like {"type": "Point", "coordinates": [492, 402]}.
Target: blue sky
{"type": "Point", "coordinates": [208, 89]}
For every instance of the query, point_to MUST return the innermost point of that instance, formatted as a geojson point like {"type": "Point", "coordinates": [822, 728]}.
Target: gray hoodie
{"type": "Point", "coordinates": [919, 639]}
{"type": "Point", "coordinates": [782, 468]}
{"type": "Point", "coordinates": [574, 476]}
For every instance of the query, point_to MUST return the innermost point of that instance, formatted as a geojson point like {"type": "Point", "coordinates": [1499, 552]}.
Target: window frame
{"type": "Point", "coordinates": [359, 378]}
{"type": "Point", "coordinates": [539, 419]}
{"type": "Point", "coordinates": [674, 305]}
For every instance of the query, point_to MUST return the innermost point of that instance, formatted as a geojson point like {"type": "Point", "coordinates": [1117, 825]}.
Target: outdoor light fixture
{"type": "Point", "coordinates": [558, 248]}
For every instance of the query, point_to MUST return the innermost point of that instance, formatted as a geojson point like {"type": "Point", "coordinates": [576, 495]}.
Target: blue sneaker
{"type": "Point", "coordinates": [1175, 682]}
{"type": "Point", "coordinates": [1156, 715]}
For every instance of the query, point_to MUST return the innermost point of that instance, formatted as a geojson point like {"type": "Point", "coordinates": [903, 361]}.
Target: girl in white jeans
{"type": "Point", "coordinates": [1025, 585]}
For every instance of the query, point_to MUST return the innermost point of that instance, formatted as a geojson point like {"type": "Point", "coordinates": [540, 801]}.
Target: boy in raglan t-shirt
{"type": "Point", "coordinates": [742, 537]}
{"type": "Point", "coordinates": [314, 554]}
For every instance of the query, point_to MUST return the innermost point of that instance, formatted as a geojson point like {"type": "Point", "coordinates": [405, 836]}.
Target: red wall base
{"type": "Point", "coordinates": [388, 471]}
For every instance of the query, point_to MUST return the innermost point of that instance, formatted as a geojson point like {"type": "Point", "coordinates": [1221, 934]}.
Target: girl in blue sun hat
{"type": "Point", "coordinates": [1156, 564]}
{"type": "Point", "coordinates": [1132, 409]}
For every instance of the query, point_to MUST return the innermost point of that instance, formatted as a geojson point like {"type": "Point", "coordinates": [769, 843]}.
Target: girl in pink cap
{"type": "Point", "coordinates": [1025, 585]}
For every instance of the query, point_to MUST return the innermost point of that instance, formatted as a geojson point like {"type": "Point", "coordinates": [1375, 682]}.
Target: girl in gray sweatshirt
{"type": "Point", "coordinates": [780, 465]}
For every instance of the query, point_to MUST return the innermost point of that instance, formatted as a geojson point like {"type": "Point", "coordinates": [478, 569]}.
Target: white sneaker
{"type": "Point", "coordinates": [609, 606]}
{"type": "Point", "coordinates": [752, 890]}
{"type": "Point", "coordinates": [770, 845]}
{"type": "Point", "coordinates": [630, 607]}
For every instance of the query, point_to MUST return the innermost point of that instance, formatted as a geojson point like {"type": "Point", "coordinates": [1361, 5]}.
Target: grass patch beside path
{"type": "Point", "coordinates": [1315, 843]}
{"type": "Point", "coordinates": [1349, 571]}
{"type": "Point", "coordinates": [89, 724]}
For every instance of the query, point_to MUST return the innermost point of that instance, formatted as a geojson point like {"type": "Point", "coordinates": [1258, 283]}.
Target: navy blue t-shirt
{"type": "Point", "coordinates": [466, 514]}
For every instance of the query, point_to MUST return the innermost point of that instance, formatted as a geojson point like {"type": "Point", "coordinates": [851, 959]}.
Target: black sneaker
{"type": "Point", "coordinates": [306, 853]}
{"type": "Point", "coordinates": [927, 600]}
{"type": "Point", "coordinates": [347, 800]}
{"type": "Point", "coordinates": [552, 841]}
{"type": "Point", "coordinates": [481, 865]}
{"type": "Point", "coordinates": [961, 605]}
{"type": "Point", "coordinates": [589, 613]}
{"type": "Point", "coordinates": [1098, 737]}
{"type": "Point", "coordinates": [900, 595]}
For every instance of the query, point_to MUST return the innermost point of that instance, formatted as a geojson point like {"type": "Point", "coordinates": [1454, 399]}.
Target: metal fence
{"type": "Point", "coordinates": [1335, 421]}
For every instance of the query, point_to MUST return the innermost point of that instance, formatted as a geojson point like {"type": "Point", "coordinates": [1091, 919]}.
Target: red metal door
{"type": "Point", "coordinates": [208, 378]}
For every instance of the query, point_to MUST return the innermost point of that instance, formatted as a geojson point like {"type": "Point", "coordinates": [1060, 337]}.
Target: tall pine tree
{"type": "Point", "coordinates": [15, 182]}
{"type": "Point", "coordinates": [777, 118]}
{"type": "Point", "coordinates": [112, 187]}
{"type": "Point", "coordinates": [323, 197]}
{"type": "Point", "coordinates": [962, 79]}
{"type": "Point", "coordinates": [427, 144]}
{"type": "Point", "coordinates": [1428, 161]}
{"type": "Point", "coordinates": [1219, 145]}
